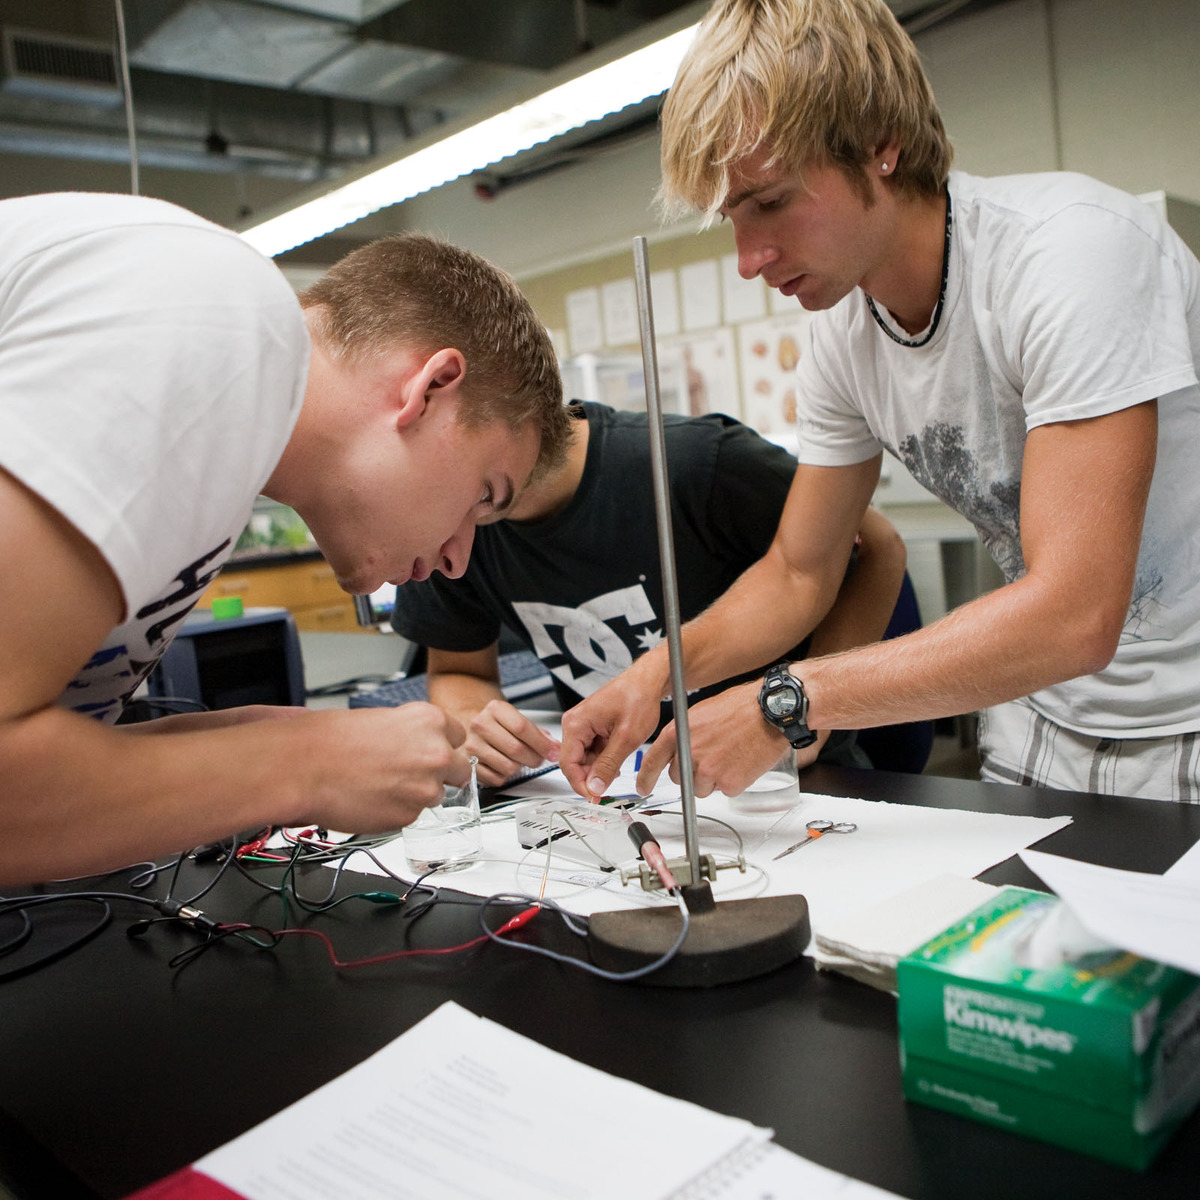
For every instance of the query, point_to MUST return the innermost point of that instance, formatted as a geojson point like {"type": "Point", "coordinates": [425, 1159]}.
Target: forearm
{"type": "Point", "coordinates": [463, 696]}
{"type": "Point", "coordinates": [80, 797]}
{"type": "Point", "coordinates": [766, 611]}
{"type": "Point", "coordinates": [998, 647]}
{"type": "Point", "coordinates": [867, 598]}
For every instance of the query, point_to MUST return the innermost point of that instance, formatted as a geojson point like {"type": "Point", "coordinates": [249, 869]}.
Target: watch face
{"type": "Point", "coordinates": [781, 702]}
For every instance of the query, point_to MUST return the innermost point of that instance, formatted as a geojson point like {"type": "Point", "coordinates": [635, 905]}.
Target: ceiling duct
{"type": "Point", "coordinates": [47, 66]}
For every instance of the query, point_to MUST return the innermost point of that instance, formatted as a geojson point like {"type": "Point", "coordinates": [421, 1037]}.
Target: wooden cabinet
{"type": "Point", "coordinates": [307, 588]}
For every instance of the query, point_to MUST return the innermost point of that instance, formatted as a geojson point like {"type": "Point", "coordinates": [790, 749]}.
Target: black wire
{"type": "Point", "coordinates": [174, 876]}
{"type": "Point", "coordinates": [314, 906]}
{"type": "Point", "coordinates": [212, 883]}
{"type": "Point", "coordinates": [21, 905]}
{"type": "Point", "coordinates": [342, 854]}
{"type": "Point", "coordinates": [189, 955]}
{"type": "Point", "coordinates": [423, 897]}
{"type": "Point", "coordinates": [13, 903]}
{"type": "Point", "coordinates": [70, 947]}
{"type": "Point", "coordinates": [144, 879]}
{"type": "Point", "coordinates": [20, 938]}
{"type": "Point", "coordinates": [147, 873]}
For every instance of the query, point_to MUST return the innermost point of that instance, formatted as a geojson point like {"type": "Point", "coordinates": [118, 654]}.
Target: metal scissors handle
{"type": "Point", "coordinates": [817, 829]}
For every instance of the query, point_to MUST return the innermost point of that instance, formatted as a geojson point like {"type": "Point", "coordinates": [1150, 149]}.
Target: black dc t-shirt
{"type": "Point", "coordinates": [583, 588]}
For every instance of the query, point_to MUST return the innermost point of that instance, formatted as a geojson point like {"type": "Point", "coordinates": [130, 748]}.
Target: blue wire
{"type": "Point", "coordinates": [579, 931]}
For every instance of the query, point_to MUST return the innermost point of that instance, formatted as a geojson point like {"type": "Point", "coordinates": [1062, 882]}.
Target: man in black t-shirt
{"type": "Point", "coordinates": [573, 570]}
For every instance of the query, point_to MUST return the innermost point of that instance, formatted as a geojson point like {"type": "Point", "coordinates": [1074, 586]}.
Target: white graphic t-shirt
{"type": "Point", "coordinates": [152, 366]}
{"type": "Point", "coordinates": [1066, 299]}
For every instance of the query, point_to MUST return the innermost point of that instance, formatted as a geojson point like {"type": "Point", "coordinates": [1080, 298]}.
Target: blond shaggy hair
{"type": "Point", "coordinates": [417, 291]}
{"type": "Point", "coordinates": [824, 82]}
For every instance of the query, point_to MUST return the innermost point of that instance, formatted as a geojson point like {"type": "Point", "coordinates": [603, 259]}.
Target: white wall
{"type": "Point", "coordinates": [580, 212]}
{"type": "Point", "coordinates": [1107, 87]}
{"type": "Point", "coordinates": [993, 79]}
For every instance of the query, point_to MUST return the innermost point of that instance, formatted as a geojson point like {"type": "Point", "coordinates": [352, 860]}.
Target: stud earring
{"type": "Point", "coordinates": [885, 168]}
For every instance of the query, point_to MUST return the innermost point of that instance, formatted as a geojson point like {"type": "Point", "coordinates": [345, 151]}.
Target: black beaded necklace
{"type": "Point", "coordinates": [937, 312]}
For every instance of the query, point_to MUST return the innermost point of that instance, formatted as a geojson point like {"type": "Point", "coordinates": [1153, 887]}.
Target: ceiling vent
{"type": "Point", "coordinates": [50, 67]}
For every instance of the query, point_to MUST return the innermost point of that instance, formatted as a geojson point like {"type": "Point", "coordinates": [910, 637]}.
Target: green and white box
{"type": "Point", "coordinates": [1100, 1054]}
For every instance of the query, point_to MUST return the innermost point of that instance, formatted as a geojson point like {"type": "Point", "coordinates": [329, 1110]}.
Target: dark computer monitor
{"type": "Point", "coordinates": [232, 661]}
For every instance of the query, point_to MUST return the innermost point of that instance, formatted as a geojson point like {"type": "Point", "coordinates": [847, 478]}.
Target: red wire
{"type": "Point", "coordinates": [255, 844]}
{"type": "Point", "coordinates": [378, 958]}
{"type": "Point", "coordinates": [512, 923]}
{"type": "Point", "coordinates": [254, 848]}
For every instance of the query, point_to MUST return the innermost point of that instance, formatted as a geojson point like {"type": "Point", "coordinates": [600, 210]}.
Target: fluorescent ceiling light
{"type": "Point", "coordinates": [606, 89]}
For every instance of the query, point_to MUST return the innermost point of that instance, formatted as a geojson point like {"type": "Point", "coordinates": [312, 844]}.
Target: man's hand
{"type": "Point", "coordinates": [601, 732]}
{"type": "Point", "coordinates": [504, 741]}
{"type": "Point", "coordinates": [376, 769]}
{"type": "Point", "coordinates": [466, 684]}
{"type": "Point", "coordinates": [731, 745]}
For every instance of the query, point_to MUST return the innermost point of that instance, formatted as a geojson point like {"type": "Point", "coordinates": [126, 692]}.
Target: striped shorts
{"type": "Point", "coordinates": [1019, 745]}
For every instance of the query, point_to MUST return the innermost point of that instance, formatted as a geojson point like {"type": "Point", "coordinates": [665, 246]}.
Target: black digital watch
{"type": "Point", "coordinates": [784, 705]}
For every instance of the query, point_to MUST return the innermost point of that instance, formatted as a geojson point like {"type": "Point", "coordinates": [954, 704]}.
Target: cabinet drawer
{"type": "Point", "coordinates": [293, 586]}
{"type": "Point", "coordinates": [329, 618]}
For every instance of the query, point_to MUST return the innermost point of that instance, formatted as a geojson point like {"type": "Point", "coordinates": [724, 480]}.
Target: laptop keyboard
{"type": "Point", "coordinates": [522, 674]}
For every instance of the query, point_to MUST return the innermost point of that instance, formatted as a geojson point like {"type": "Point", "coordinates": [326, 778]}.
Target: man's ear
{"type": "Point", "coordinates": [884, 158]}
{"type": "Point", "coordinates": [438, 376]}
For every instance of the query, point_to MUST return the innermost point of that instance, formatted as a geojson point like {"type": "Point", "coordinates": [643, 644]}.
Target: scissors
{"type": "Point", "coordinates": [818, 829]}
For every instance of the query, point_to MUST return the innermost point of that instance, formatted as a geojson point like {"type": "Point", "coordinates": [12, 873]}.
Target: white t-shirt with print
{"type": "Point", "coordinates": [1065, 299]}
{"type": "Point", "coordinates": [152, 366]}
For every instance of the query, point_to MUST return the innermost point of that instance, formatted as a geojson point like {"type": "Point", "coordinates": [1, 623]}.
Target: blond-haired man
{"type": "Point", "coordinates": [157, 374]}
{"type": "Point", "coordinates": [1027, 346]}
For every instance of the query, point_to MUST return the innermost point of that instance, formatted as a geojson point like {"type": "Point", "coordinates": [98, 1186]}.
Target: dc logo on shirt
{"type": "Point", "coordinates": [590, 636]}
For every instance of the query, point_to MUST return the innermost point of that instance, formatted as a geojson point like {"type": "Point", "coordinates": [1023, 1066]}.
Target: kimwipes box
{"type": "Point", "coordinates": [1100, 1053]}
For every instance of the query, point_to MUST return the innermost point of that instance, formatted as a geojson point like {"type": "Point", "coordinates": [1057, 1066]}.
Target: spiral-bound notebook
{"type": "Point", "coordinates": [459, 1106]}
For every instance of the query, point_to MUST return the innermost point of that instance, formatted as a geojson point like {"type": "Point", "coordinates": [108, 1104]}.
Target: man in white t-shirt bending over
{"type": "Point", "coordinates": [1026, 346]}
{"type": "Point", "coordinates": [156, 374]}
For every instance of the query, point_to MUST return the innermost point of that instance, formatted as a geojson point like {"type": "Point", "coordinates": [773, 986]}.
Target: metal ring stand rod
{"type": "Point", "coordinates": [666, 550]}
{"type": "Point", "coordinates": [733, 939]}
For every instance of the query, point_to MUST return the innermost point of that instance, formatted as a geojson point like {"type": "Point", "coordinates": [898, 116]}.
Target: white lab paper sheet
{"type": "Point", "coordinates": [1186, 868]}
{"type": "Point", "coordinates": [766, 1171]}
{"type": "Point", "coordinates": [1156, 916]}
{"type": "Point", "coordinates": [461, 1107]}
{"type": "Point", "coordinates": [895, 847]}
{"type": "Point", "coordinates": [868, 944]}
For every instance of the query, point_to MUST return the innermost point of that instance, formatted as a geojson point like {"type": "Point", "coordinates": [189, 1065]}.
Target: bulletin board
{"type": "Point", "coordinates": [726, 344]}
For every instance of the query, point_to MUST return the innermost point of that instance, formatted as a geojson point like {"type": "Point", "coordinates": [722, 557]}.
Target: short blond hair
{"type": "Point", "coordinates": [811, 81]}
{"type": "Point", "coordinates": [421, 292]}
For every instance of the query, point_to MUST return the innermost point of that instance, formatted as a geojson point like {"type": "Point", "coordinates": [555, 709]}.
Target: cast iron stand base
{"type": "Point", "coordinates": [736, 939]}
